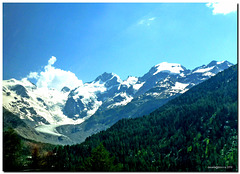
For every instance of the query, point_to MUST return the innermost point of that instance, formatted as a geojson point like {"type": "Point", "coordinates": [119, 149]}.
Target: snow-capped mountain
{"type": "Point", "coordinates": [47, 110]}
{"type": "Point", "coordinates": [36, 105]}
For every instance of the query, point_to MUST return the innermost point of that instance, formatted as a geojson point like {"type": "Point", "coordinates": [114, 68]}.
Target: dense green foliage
{"type": "Point", "coordinates": [11, 151]}
{"type": "Point", "coordinates": [196, 131]}
{"type": "Point", "coordinates": [20, 154]}
{"type": "Point", "coordinates": [100, 160]}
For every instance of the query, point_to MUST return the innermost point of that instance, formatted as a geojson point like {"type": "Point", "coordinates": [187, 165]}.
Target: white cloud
{"type": "Point", "coordinates": [33, 75]}
{"type": "Point", "coordinates": [146, 21]}
{"type": "Point", "coordinates": [152, 19]}
{"type": "Point", "coordinates": [55, 78]}
{"type": "Point", "coordinates": [222, 7]}
{"type": "Point", "coordinates": [52, 60]}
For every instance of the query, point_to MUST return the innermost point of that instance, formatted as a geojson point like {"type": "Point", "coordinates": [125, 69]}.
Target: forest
{"type": "Point", "coordinates": [196, 131]}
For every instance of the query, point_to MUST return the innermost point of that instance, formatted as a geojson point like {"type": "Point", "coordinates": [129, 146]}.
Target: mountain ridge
{"type": "Point", "coordinates": [194, 132]}
{"type": "Point", "coordinates": [191, 132]}
{"type": "Point", "coordinates": [106, 94]}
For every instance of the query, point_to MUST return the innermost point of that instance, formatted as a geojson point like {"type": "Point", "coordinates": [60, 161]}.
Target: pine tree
{"type": "Point", "coordinates": [12, 147]}
{"type": "Point", "coordinates": [100, 160]}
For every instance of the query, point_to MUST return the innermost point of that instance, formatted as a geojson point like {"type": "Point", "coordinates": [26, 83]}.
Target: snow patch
{"type": "Point", "coordinates": [180, 86]}
{"type": "Point", "coordinates": [125, 101]}
{"type": "Point", "coordinates": [166, 79]}
{"type": "Point", "coordinates": [88, 91]}
{"type": "Point", "coordinates": [95, 108]}
{"type": "Point", "coordinates": [208, 74]}
{"type": "Point", "coordinates": [173, 68]}
{"type": "Point", "coordinates": [220, 62]}
{"type": "Point", "coordinates": [182, 74]}
{"type": "Point", "coordinates": [203, 70]}
{"type": "Point", "coordinates": [156, 94]}
{"type": "Point", "coordinates": [118, 78]}
{"type": "Point", "coordinates": [138, 86]}
{"type": "Point", "coordinates": [130, 81]}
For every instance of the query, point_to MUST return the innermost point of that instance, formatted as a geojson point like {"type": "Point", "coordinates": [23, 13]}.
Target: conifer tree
{"type": "Point", "coordinates": [11, 151]}
{"type": "Point", "coordinates": [100, 160]}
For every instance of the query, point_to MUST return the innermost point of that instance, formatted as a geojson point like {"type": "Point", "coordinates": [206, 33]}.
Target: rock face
{"type": "Point", "coordinates": [20, 90]}
{"type": "Point", "coordinates": [65, 89]}
{"type": "Point", "coordinates": [100, 103]}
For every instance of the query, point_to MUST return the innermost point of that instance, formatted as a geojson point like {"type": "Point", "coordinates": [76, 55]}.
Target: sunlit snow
{"type": "Point", "coordinates": [50, 106]}
{"type": "Point", "coordinates": [203, 70]}
{"type": "Point", "coordinates": [180, 86]}
{"type": "Point", "coordinates": [138, 86]}
{"type": "Point", "coordinates": [208, 74]}
{"type": "Point", "coordinates": [125, 101]}
{"type": "Point", "coordinates": [169, 67]}
{"type": "Point", "coordinates": [130, 81]}
{"type": "Point", "coordinates": [220, 62]}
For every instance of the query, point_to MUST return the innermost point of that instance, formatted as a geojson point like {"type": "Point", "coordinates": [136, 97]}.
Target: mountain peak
{"type": "Point", "coordinates": [107, 76]}
{"type": "Point", "coordinates": [214, 63]}
{"type": "Point", "coordinates": [172, 68]}
{"type": "Point", "coordinates": [104, 77]}
{"type": "Point", "coordinates": [213, 67]}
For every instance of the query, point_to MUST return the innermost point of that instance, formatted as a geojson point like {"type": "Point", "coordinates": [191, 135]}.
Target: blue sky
{"type": "Point", "coordinates": [87, 39]}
